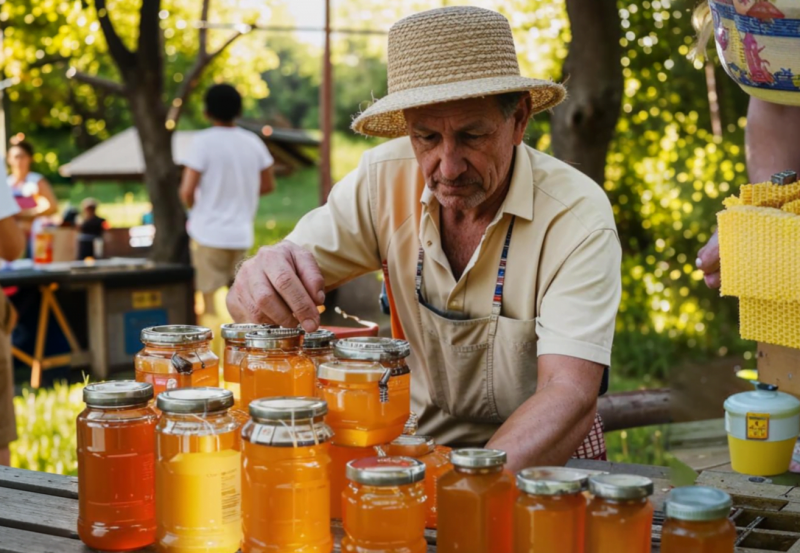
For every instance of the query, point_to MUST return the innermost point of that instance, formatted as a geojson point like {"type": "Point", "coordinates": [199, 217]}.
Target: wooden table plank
{"type": "Point", "coordinates": [13, 540]}
{"type": "Point", "coordinates": [39, 482]}
{"type": "Point", "coordinates": [45, 514]}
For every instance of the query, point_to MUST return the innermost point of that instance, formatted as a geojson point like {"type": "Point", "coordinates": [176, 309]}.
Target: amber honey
{"type": "Point", "coordinates": [475, 503]}
{"type": "Point", "coordinates": [340, 456]}
{"type": "Point", "coordinates": [697, 521]}
{"type": "Point", "coordinates": [234, 335]}
{"type": "Point", "coordinates": [619, 517]}
{"type": "Point", "coordinates": [116, 484]}
{"type": "Point", "coordinates": [176, 356]}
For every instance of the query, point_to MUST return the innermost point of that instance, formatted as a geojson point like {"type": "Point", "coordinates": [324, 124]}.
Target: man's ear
{"type": "Point", "coordinates": [521, 117]}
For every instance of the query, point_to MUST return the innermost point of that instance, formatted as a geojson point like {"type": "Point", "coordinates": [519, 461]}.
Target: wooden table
{"type": "Point", "coordinates": [39, 511]}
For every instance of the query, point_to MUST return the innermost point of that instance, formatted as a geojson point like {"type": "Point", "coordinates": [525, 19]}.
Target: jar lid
{"type": "Point", "coordinates": [415, 442]}
{"type": "Point", "coordinates": [117, 393]}
{"type": "Point", "coordinates": [195, 400]}
{"type": "Point", "coordinates": [386, 471]}
{"type": "Point", "coordinates": [372, 349]}
{"type": "Point", "coordinates": [478, 458]}
{"type": "Point", "coordinates": [620, 486]}
{"type": "Point", "coordinates": [764, 399]}
{"type": "Point", "coordinates": [698, 503]}
{"type": "Point", "coordinates": [272, 336]}
{"type": "Point", "coordinates": [287, 408]}
{"type": "Point", "coordinates": [551, 481]}
{"type": "Point", "coordinates": [319, 339]}
{"type": "Point", "coordinates": [238, 331]}
{"type": "Point", "coordinates": [351, 372]}
{"type": "Point", "coordinates": [176, 335]}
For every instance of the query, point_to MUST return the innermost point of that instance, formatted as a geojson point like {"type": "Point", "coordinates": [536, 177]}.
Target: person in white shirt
{"type": "Point", "coordinates": [12, 243]}
{"type": "Point", "coordinates": [226, 172]}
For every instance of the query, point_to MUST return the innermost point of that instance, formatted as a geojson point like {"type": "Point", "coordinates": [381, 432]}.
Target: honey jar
{"type": "Point", "coordinates": [697, 521]}
{"type": "Point", "coordinates": [285, 470]}
{"type": "Point", "coordinates": [620, 516]}
{"type": "Point", "coordinates": [234, 336]}
{"type": "Point", "coordinates": [116, 461]}
{"type": "Point", "coordinates": [550, 512]}
{"type": "Point", "coordinates": [274, 366]}
{"type": "Point", "coordinates": [384, 506]}
{"type": "Point", "coordinates": [177, 356]}
{"type": "Point", "coordinates": [340, 456]}
{"type": "Point", "coordinates": [318, 346]}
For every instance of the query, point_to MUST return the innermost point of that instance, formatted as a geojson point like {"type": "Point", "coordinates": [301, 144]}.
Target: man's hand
{"type": "Point", "coordinates": [281, 285]}
{"type": "Point", "coordinates": [708, 262]}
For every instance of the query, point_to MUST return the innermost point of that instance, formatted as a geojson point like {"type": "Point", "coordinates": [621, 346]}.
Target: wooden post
{"type": "Point", "coordinates": [326, 112]}
{"type": "Point", "coordinates": [780, 366]}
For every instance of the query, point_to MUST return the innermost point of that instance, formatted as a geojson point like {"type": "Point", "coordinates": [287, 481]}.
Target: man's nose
{"type": "Point", "coordinates": [452, 163]}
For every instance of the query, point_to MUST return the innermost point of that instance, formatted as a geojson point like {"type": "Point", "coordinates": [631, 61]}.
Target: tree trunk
{"type": "Point", "coordinates": [583, 126]}
{"type": "Point", "coordinates": [161, 176]}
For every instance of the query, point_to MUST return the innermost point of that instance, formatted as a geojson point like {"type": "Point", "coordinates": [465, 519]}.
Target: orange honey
{"type": "Point", "coordinates": [285, 470]}
{"type": "Point", "coordinates": [697, 521]}
{"type": "Point", "coordinates": [116, 486]}
{"type": "Point", "coordinates": [475, 503]}
{"type": "Point", "coordinates": [619, 517]}
{"type": "Point", "coordinates": [177, 356]}
{"type": "Point", "coordinates": [234, 335]}
{"type": "Point", "coordinates": [341, 455]}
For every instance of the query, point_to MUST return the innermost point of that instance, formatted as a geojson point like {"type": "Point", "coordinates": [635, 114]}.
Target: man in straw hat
{"type": "Point", "coordinates": [502, 264]}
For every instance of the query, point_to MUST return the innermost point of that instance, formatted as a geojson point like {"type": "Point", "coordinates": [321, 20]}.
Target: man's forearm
{"type": "Point", "coordinates": [772, 139]}
{"type": "Point", "coordinates": [547, 429]}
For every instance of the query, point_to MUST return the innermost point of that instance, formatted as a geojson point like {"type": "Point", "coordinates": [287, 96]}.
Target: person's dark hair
{"type": "Point", "coordinates": [508, 102]}
{"type": "Point", "coordinates": [223, 103]}
{"type": "Point", "coordinates": [24, 146]}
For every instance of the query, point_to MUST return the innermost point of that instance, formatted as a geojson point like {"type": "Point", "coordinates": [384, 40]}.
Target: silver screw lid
{"type": "Point", "coordinates": [319, 339]}
{"type": "Point", "coordinates": [620, 486]}
{"type": "Point", "coordinates": [273, 337]}
{"type": "Point", "coordinates": [169, 335]}
{"type": "Point", "coordinates": [414, 441]}
{"type": "Point", "coordinates": [195, 400]}
{"type": "Point", "coordinates": [386, 471]}
{"type": "Point", "coordinates": [117, 393]}
{"type": "Point", "coordinates": [478, 458]}
{"type": "Point", "coordinates": [698, 503]}
{"type": "Point", "coordinates": [287, 408]}
{"type": "Point", "coordinates": [238, 331]}
{"type": "Point", "coordinates": [371, 349]}
{"type": "Point", "coordinates": [551, 481]}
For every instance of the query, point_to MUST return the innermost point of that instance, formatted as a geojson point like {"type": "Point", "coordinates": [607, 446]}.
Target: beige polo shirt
{"type": "Point", "coordinates": [562, 285]}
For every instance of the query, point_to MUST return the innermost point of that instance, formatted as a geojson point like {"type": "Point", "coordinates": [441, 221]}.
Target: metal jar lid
{"type": "Point", "coordinates": [117, 393]}
{"type": "Point", "coordinates": [176, 335]}
{"type": "Point", "coordinates": [386, 471]}
{"type": "Point", "coordinates": [238, 331]}
{"type": "Point", "coordinates": [371, 349]}
{"type": "Point", "coordinates": [698, 503]}
{"type": "Point", "coordinates": [620, 486]}
{"type": "Point", "coordinates": [551, 481]}
{"type": "Point", "coordinates": [195, 400]}
{"type": "Point", "coordinates": [287, 409]}
{"type": "Point", "coordinates": [274, 337]}
{"type": "Point", "coordinates": [319, 339]}
{"type": "Point", "coordinates": [473, 458]}
{"type": "Point", "coordinates": [351, 372]}
{"type": "Point", "coordinates": [415, 441]}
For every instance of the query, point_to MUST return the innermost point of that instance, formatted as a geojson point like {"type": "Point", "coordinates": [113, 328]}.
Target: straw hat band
{"type": "Point", "coordinates": [438, 47]}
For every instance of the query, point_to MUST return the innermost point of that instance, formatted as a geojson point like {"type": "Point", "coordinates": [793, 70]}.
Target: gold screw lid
{"type": "Point", "coordinates": [551, 481]}
{"type": "Point", "coordinates": [386, 471]}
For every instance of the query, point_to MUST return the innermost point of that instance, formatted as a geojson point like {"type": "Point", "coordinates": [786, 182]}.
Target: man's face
{"type": "Point", "coordinates": [465, 148]}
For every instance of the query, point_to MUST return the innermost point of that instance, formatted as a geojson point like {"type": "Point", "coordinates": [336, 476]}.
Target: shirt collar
{"type": "Point", "coordinates": [519, 200]}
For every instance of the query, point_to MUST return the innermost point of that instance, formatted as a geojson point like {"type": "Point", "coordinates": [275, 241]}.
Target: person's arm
{"type": "Point", "coordinates": [189, 184]}
{"type": "Point", "coordinates": [46, 191]}
{"type": "Point", "coordinates": [12, 239]}
{"type": "Point", "coordinates": [549, 427]}
{"type": "Point", "coordinates": [267, 181]}
{"type": "Point", "coordinates": [772, 145]}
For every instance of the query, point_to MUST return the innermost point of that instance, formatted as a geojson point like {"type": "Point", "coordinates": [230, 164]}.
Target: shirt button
{"type": "Point", "coordinates": [455, 304]}
{"type": "Point", "coordinates": [430, 243]}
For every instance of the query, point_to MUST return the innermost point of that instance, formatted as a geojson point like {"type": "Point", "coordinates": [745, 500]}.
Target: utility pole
{"type": "Point", "coordinates": [326, 112]}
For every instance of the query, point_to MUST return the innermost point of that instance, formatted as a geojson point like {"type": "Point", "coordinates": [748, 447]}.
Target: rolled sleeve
{"type": "Point", "coordinates": [579, 309]}
{"type": "Point", "coordinates": [341, 234]}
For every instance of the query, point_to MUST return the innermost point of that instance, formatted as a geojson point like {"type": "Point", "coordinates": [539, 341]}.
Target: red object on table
{"type": "Point", "coordinates": [352, 331]}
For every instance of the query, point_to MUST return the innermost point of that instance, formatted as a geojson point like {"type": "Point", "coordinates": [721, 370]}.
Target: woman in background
{"type": "Point", "coordinates": [33, 193]}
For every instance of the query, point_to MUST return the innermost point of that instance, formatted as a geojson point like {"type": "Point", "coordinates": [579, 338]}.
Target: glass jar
{"type": "Point", "coordinates": [318, 346]}
{"type": "Point", "coordinates": [234, 335]}
{"type": "Point", "coordinates": [436, 463]}
{"type": "Point", "coordinates": [620, 516]}
{"type": "Point", "coordinates": [116, 459]}
{"type": "Point", "coordinates": [384, 506]}
{"type": "Point", "coordinates": [198, 472]}
{"type": "Point", "coordinates": [411, 426]}
{"type": "Point", "coordinates": [340, 456]}
{"type": "Point", "coordinates": [697, 521]}
{"type": "Point", "coordinates": [475, 502]}
{"type": "Point", "coordinates": [177, 356]}
{"type": "Point", "coordinates": [550, 512]}
{"type": "Point", "coordinates": [369, 400]}
{"type": "Point", "coordinates": [274, 366]}
{"type": "Point", "coordinates": [286, 484]}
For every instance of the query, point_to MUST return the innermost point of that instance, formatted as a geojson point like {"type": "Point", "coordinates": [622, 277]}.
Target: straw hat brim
{"type": "Point", "coordinates": [385, 118]}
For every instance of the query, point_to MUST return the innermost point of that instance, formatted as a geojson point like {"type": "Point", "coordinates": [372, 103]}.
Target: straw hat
{"type": "Point", "coordinates": [450, 54]}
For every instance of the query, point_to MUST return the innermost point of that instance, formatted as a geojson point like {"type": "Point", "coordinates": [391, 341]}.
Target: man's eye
{"type": "Point", "coordinates": [426, 137]}
{"type": "Point", "coordinates": [469, 136]}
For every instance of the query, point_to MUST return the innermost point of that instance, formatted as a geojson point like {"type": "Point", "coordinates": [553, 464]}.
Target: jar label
{"type": "Point", "coordinates": [757, 426]}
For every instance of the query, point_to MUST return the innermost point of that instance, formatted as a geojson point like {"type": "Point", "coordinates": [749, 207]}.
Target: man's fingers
{"type": "Point", "coordinates": [708, 256]}
{"type": "Point", "coordinates": [281, 274]}
{"type": "Point", "coordinates": [713, 280]}
{"type": "Point", "coordinates": [309, 273]}
{"type": "Point", "coordinates": [268, 307]}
